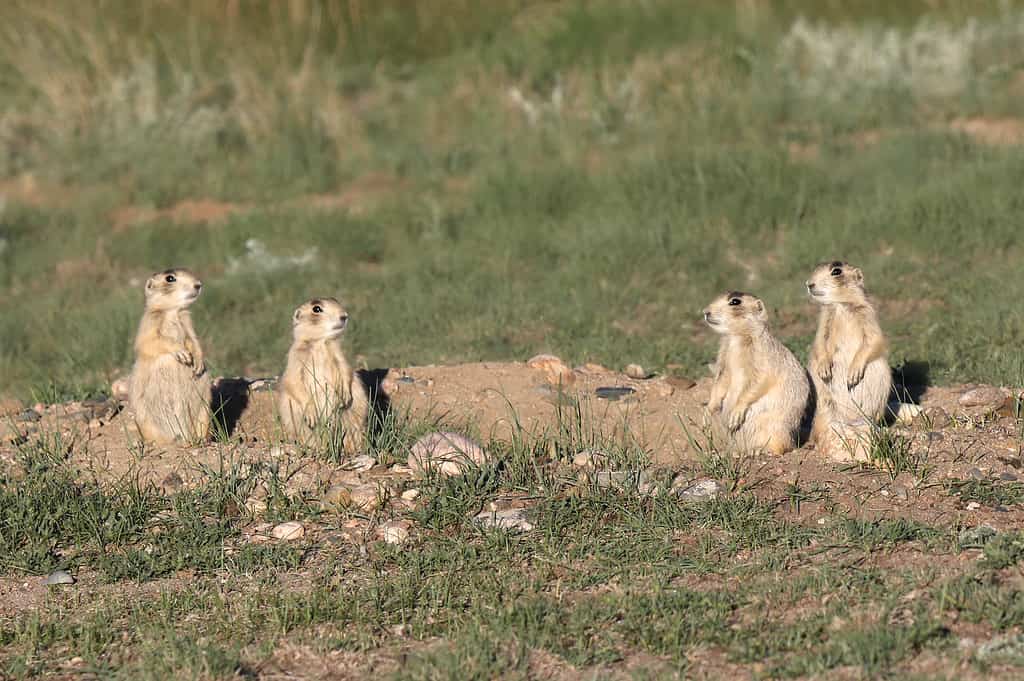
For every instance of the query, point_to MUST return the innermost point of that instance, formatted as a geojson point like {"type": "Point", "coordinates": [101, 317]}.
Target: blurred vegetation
{"type": "Point", "coordinates": [575, 177]}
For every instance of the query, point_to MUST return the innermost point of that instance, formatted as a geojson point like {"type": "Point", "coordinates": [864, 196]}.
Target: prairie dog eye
{"type": "Point", "coordinates": [734, 301]}
{"type": "Point", "coordinates": [170, 279]}
{"type": "Point", "coordinates": [836, 271]}
{"type": "Point", "coordinates": [317, 309]}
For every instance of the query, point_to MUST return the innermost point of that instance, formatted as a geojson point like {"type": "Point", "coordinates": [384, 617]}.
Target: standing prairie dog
{"type": "Point", "coordinates": [760, 389]}
{"type": "Point", "coordinates": [848, 361]}
{"type": "Point", "coordinates": [319, 392]}
{"type": "Point", "coordinates": [170, 387]}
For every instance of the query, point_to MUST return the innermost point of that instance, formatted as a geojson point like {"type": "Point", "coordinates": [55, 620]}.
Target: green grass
{"type": "Point", "coordinates": [656, 172]}
{"type": "Point", "coordinates": [578, 178]}
{"type": "Point", "coordinates": [607, 575]}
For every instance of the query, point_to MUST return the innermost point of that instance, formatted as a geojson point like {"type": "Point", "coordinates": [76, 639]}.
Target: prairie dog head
{"type": "Point", "coordinates": [736, 313]}
{"type": "Point", "coordinates": [173, 289]}
{"type": "Point", "coordinates": [836, 282]}
{"type": "Point", "coordinates": [319, 319]}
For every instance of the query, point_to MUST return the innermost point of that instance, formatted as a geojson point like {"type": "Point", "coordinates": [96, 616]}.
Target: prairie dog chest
{"type": "Point", "coordinates": [846, 333]}
{"type": "Point", "coordinates": [738, 360]}
{"type": "Point", "coordinates": [319, 368]}
{"type": "Point", "coordinates": [173, 328]}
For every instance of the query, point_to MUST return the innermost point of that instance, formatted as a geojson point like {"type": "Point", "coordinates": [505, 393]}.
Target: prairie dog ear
{"type": "Point", "coordinates": [858, 276]}
{"type": "Point", "coordinates": [295, 317]}
{"type": "Point", "coordinates": [759, 306]}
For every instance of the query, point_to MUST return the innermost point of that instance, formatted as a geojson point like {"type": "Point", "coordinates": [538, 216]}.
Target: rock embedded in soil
{"type": "Point", "coordinates": [450, 453]}
{"type": "Point", "coordinates": [506, 519]}
{"type": "Point", "coordinates": [28, 416]}
{"type": "Point", "coordinates": [985, 396]}
{"type": "Point", "coordinates": [410, 494]}
{"type": "Point", "coordinates": [289, 531]}
{"type": "Point", "coordinates": [1008, 648]}
{"type": "Point", "coordinates": [366, 497]}
{"type": "Point", "coordinates": [363, 462]}
{"type": "Point", "coordinates": [976, 537]}
{"type": "Point", "coordinates": [555, 370]}
{"type": "Point", "coordinates": [642, 482]}
{"type": "Point", "coordinates": [395, 532]}
{"type": "Point", "coordinates": [701, 490]}
{"type": "Point", "coordinates": [613, 393]}
{"type": "Point", "coordinates": [592, 459]}
{"type": "Point", "coordinates": [635, 371]}
{"type": "Point", "coordinates": [59, 577]}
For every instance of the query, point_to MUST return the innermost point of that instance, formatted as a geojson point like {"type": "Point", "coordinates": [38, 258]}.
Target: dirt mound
{"type": "Point", "coordinates": [961, 435]}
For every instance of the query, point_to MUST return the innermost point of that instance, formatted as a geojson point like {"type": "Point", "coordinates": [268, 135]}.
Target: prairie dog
{"type": "Point", "coordinates": [848, 361]}
{"type": "Point", "coordinates": [760, 390]}
{"type": "Point", "coordinates": [319, 390]}
{"type": "Point", "coordinates": [170, 387]}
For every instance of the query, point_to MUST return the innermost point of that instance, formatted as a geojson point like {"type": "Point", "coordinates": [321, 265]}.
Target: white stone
{"type": "Point", "coordinates": [395, 532]}
{"type": "Point", "coordinates": [905, 412]}
{"type": "Point", "coordinates": [289, 531]}
{"type": "Point", "coordinates": [451, 453]}
{"type": "Point", "coordinates": [635, 371]}
{"type": "Point", "coordinates": [699, 491]}
{"type": "Point", "coordinates": [590, 458]}
{"type": "Point", "coordinates": [410, 494]}
{"type": "Point", "coordinates": [363, 462]}
{"type": "Point", "coordinates": [508, 519]}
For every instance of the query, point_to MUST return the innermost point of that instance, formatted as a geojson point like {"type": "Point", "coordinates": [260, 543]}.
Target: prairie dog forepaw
{"type": "Point", "coordinates": [825, 372]}
{"type": "Point", "coordinates": [736, 419]}
{"type": "Point", "coordinates": [855, 376]}
{"type": "Point", "coordinates": [184, 357]}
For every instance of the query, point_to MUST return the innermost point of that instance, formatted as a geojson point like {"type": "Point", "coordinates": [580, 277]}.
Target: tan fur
{"type": "Point", "coordinates": [170, 387]}
{"type": "Point", "coordinates": [760, 390]}
{"type": "Point", "coordinates": [319, 392]}
{"type": "Point", "coordinates": [848, 362]}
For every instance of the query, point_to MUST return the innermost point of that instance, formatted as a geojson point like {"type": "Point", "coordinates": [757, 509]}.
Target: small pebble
{"type": "Point", "coordinates": [973, 506]}
{"type": "Point", "coordinates": [395, 532]}
{"type": "Point", "coordinates": [508, 519]}
{"type": "Point", "coordinates": [363, 462]}
{"type": "Point", "coordinates": [289, 531]}
{"type": "Point", "coordinates": [29, 416]}
{"type": "Point", "coordinates": [59, 577]}
{"type": "Point", "coordinates": [590, 458]}
{"type": "Point", "coordinates": [699, 491]}
{"type": "Point", "coordinates": [410, 494]}
{"type": "Point", "coordinates": [635, 371]}
{"type": "Point", "coordinates": [985, 396]}
{"type": "Point", "coordinates": [1007, 476]}
{"type": "Point", "coordinates": [366, 497]}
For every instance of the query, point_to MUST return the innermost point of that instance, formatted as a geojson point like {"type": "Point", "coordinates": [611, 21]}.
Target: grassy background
{"type": "Point", "coordinates": [557, 176]}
